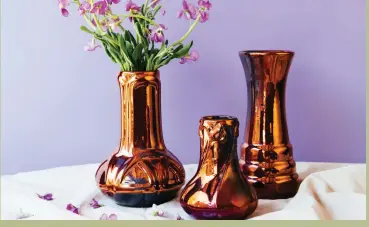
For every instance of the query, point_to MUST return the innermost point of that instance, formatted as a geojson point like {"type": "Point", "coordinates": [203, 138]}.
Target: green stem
{"type": "Point", "coordinates": [84, 16]}
{"type": "Point", "coordinates": [139, 16]}
{"type": "Point", "coordinates": [188, 32]}
{"type": "Point", "coordinates": [153, 2]}
{"type": "Point", "coordinates": [98, 23]}
{"type": "Point", "coordinates": [121, 27]}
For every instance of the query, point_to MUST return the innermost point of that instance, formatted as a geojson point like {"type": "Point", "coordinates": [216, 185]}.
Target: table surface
{"type": "Point", "coordinates": [76, 185]}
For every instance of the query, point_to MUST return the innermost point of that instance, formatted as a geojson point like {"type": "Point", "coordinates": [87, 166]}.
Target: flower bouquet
{"type": "Point", "coordinates": [147, 49]}
{"type": "Point", "coordinates": [142, 171]}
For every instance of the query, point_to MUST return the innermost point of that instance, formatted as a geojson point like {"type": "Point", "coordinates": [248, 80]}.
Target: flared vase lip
{"type": "Point", "coordinates": [218, 117]}
{"type": "Point", "coordinates": [139, 74]}
{"type": "Point", "coordinates": [265, 52]}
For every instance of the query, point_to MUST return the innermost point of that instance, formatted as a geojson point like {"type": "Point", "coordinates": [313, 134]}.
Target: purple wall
{"type": "Point", "coordinates": [60, 105]}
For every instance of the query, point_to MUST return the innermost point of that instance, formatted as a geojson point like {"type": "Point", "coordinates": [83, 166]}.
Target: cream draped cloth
{"type": "Point", "coordinates": [329, 191]}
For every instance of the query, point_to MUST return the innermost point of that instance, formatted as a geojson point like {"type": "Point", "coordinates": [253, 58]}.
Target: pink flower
{"type": "Point", "coordinates": [205, 4]}
{"type": "Point", "coordinates": [103, 24]}
{"type": "Point", "coordinates": [63, 7]}
{"type": "Point", "coordinates": [193, 56]}
{"type": "Point", "coordinates": [114, 23]}
{"type": "Point", "coordinates": [91, 46]}
{"type": "Point", "coordinates": [99, 7]}
{"type": "Point", "coordinates": [110, 217]}
{"type": "Point", "coordinates": [85, 6]}
{"type": "Point", "coordinates": [132, 8]}
{"type": "Point", "coordinates": [47, 197]}
{"type": "Point", "coordinates": [204, 7]}
{"type": "Point", "coordinates": [158, 36]}
{"type": "Point", "coordinates": [189, 11]}
{"type": "Point", "coordinates": [72, 208]}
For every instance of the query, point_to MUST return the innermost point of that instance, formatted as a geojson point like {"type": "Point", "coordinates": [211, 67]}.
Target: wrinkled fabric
{"type": "Point", "coordinates": [328, 191]}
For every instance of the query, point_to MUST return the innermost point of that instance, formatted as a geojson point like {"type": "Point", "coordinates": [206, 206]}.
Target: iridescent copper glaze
{"type": "Point", "coordinates": [142, 172]}
{"type": "Point", "coordinates": [266, 154]}
{"type": "Point", "coordinates": [218, 190]}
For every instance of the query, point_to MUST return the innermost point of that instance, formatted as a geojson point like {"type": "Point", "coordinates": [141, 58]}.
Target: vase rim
{"type": "Point", "coordinates": [219, 117]}
{"type": "Point", "coordinates": [139, 74]}
{"type": "Point", "coordinates": [266, 52]}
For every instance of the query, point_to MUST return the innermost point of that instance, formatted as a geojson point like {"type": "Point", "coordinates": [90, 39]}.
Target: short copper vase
{"type": "Point", "coordinates": [142, 172]}
{"type": "Point", "coordinates": [266, 154]}
{"type": "Point", "coordinates": [218, 190]}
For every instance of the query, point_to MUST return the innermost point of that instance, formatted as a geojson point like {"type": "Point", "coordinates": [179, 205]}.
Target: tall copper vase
{"type": "Point", "coordinates": [266, 154]}
{"type": "Point", "coordinates": [218, 190]}
{"type": "Point", "coordinates": [142, 172]}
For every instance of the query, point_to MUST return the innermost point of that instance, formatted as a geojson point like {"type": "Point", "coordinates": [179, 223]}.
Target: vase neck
{"type": "Point", "coordinates": [141, 128]}
{"type": "Point", "coordinates": [266, 74]}
{"type": "Point", "coordinates": [218, 142]}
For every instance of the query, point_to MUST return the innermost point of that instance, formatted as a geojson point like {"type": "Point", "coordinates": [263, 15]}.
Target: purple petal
{"type": "Point", "coordinates": [63, 3]}
{"type": "Point", "coordinates": [192, 11]}
{"type": "Point", "coordinates": [185, 4]}
{"type": "Point", "coordinates": [65, 12]}
{"type": "Point", "coordinates": [99, 7]}
{"type": "Point", "coordinates": [180, 14]}
{"type": "Point", "coordinates": [163, 26]}
{"type": "Point", "coordinates": [204, 16]}
{"type": "Point", "coordinates": [85, 6]}
{"type": "Point", "coordinates": [113, 217]}
{"type": "Point", "coordinates": [154, 3]}
{"type": "Point", "coordinates": [205, 3]}
{"type": "Point", "coordinates": [183, 61]}
{"type": "Point", "coordinates": [194, 55]}
{"type": "Point", "coordinates": [72, 208]}
{"type": "Point", "coordinates": [47, 196]}
{"type": "Point", "coordinates": [163, 12]}
{"type": "Point", "coordinates": [95, 204]}
{"type": "Point", "coordinates": [132, 6]}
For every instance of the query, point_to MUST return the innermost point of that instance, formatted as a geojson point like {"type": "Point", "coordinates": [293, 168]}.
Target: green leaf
{"type": "Point", "coordinates": [116, 55]}
{"type": "Point", "coordinates": [123, 50]}
{"type": "Point", "coordinates": [108, 52]}
{"type": "Point", "coordinates": [183, 51]}
{"type": "Point", "coordinates": [164, 62]}
{"type": "Point", "coordinates": [149, 63]}
{"type": "Point", "coordinates": [129, 37]}
{"type": "Point", "coordinates": [137, 53]}
{"type": "Point", "coordinates": [156, 10]}
{"type": "Point", "coordinates": [83, 28]}
{"type": "Point", "coordinates": [178, 48]}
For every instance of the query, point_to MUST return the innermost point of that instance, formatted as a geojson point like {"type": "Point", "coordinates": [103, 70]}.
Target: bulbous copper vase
{"type": "Point", "coordinates": [218, 190]}
{"type": "Point", "coordinates": [266, 154]}
{"type": "Point", "coordinates": [142, 172]}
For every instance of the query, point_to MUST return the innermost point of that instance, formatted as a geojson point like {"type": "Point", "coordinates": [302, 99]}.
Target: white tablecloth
{"type": "Point", "coordinates": [329, 191]}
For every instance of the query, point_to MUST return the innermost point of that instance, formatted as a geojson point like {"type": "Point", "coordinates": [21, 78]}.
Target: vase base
{"type": "Point", "coordinates": [276, 191]}
{"type": "Point", "coordinates": [219, 214]}
{"type": "Point", "coordinates": [143, 200]}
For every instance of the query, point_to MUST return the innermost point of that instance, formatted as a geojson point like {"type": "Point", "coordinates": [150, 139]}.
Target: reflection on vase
{"type": "Point", "coordinates": [142, 172]}
{"type": "Point", "coordinates": [267, 154]}
{"type": "Point", "coordinates": [218, 189]}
